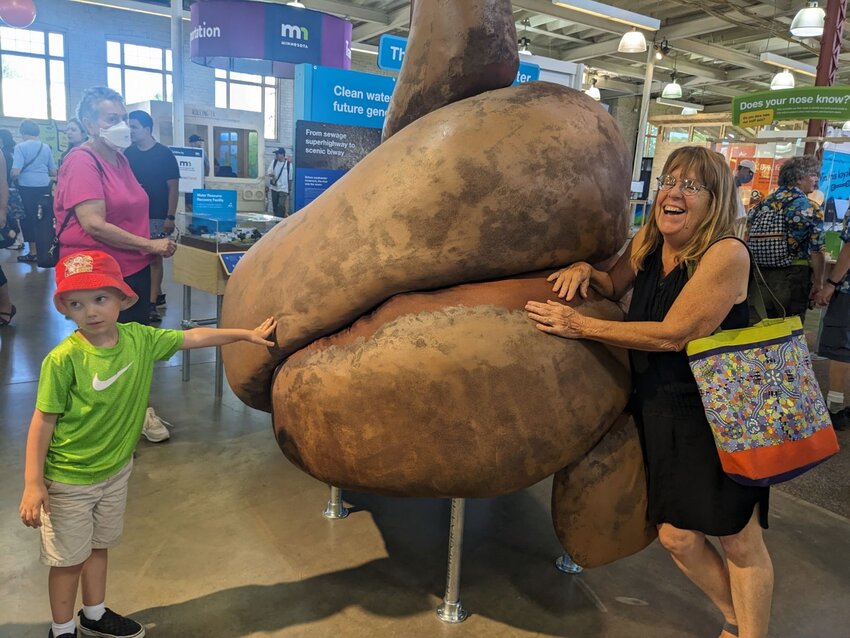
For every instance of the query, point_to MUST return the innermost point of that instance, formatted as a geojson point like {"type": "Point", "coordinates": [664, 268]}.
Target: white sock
{"type": "Point", "coordinates": [95, 612]}
{"type": "Point", "coordinates": [834, 400]}
{"type": "Point", "coordinates": [64, 628]}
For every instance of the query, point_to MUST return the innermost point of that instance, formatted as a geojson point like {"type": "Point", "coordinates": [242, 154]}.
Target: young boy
{"type": "Point", "coordinates": [92, 395]}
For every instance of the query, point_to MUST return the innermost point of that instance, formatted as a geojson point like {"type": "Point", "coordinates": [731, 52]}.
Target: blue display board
{"type": "Point", "coordinates": [229, 260]}
{"type": "Point", "coordinates": [391, 50]}
{"type": "Point", "coordinates": [323, 94]}
{"type": "Point", "coordinates": [834, 182]}
{"type": "Point", "coordinates": [219, 205]}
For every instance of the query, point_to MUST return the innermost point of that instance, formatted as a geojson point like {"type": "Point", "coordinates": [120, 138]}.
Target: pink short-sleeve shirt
{"type": "Point", "coordinates": [79, 180]}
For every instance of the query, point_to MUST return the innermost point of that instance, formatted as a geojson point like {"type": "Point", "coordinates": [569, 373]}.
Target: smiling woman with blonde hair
{"type": "Point", "coordinates": [690, 276]}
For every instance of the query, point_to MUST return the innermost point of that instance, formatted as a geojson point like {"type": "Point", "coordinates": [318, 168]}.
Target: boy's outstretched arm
{"type": "Point", "coordinates": [35, 491]}
{"type": "Point", "coordinates": [206, 337]}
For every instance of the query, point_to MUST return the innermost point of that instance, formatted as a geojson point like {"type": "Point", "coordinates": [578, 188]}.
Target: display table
{"type": "Point", "coordinates": [201, 269]}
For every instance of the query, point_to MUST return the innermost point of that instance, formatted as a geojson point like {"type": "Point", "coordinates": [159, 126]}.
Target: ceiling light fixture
{"type": "Point", "coordinates": [662, 49]}
{"type": "Point", "coordinates": [782, 80]}
{"type": "Point", "coordinates": [592, 91]}
{"type": "Point", "coordinates": [615, 14]}
{"type": "Point", "coordinates": [808, 23]}
{"type": "Point", "coordinates": [524, 42]}
{"type": "Point", "coordinates": [788, 63]}
{"type": "Point", "coordinates": [689, 111]}
{"type": "Point", "coordinates": [680, 104]}
{"type": "Point", "coordinates": [846, 126]}
{"type": "Point", "coordinates": [672, 90]}
{"type": "Point", "coordinates": [632, 42]}
{"type": "Point", "coordinates": [296, 4]}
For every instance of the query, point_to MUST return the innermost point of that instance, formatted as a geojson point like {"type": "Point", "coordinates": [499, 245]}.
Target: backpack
{"type": "Point", "coordinates": [768, 236]}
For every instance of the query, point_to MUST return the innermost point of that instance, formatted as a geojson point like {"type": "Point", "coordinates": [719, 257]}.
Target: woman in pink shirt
{"type": "Point", "coordinates": [96, 183]}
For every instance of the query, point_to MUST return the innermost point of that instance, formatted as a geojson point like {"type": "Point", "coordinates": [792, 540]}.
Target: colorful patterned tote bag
{"type": "Point", "coordinates": [762, 401]}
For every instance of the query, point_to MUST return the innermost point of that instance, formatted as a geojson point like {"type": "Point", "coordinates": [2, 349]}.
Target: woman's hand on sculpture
{"type": "Point", "coordinates": [572, 279]}
{"type": "Point", "coordinates": [557, 319]}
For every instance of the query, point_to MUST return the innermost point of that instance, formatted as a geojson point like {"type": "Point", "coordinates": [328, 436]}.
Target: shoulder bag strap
{"type": "Point", "coordinates": [755, 276]}
{"type": "Point", "coordinates": [73, 211]}
{"type": "Point", "coordinates": [34, 157]}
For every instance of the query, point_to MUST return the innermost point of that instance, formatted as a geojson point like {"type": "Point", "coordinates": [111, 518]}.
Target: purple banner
{"type": "Point", "coordinates": [265, 38]}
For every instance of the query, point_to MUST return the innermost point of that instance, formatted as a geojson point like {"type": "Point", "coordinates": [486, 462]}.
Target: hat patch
{"type": "Point", "coordinates": [79, 264]}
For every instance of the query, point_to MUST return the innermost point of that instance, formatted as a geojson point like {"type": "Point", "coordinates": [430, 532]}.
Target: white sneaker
{"type": "Point", "coordinates": [154, 429]}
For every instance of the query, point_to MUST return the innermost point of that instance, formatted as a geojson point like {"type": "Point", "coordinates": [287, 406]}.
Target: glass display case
{"type": "Point", "coordinates": [215, 235]}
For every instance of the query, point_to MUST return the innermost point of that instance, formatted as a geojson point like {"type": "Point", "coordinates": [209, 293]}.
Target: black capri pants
{"type": "Point", "coordinates": [30, 195]}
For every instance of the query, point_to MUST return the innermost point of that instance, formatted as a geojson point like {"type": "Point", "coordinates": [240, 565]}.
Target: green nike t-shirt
{"type": "Point", "coordinates": [101, 395]}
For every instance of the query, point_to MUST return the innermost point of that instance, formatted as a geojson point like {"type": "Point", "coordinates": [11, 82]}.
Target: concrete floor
{"type": "Point", "coordinates": [224, 537]}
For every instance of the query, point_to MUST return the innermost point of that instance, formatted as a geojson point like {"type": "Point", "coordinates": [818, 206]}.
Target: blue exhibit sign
{"type": "Point", "coordinates": [219, 205]}
{"type": "Point", "coordinates": [834, 182]}
{"type": "Point", "coordinates": [391, 49]}
{"type": "Point", "coordinates": [527, 72]}
{"type": "Point", "coordinates": [337, 96]}
{"type": "Point", "coordinates": [229, 260]}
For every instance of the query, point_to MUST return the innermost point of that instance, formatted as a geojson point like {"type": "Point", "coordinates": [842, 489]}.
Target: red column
{"type": "Point", "coordinates": [830, 47]}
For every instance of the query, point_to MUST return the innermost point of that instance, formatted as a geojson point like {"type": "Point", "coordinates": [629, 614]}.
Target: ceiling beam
{"type": "Point", "coordinates": [349, 10]}
{"type": "Point", "coordinates": [399, 18]}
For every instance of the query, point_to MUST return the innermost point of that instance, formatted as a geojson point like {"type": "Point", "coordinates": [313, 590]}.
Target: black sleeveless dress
{"type": "Point", "coordinates": [685, 484]}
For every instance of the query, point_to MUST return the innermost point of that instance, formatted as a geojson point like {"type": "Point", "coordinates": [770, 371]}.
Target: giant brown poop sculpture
{"type": "Point", "coordinates": [406, 364]}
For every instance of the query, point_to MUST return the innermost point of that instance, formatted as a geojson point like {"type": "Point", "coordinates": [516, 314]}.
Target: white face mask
{"type": "Point", "coordinates": [117, 137]}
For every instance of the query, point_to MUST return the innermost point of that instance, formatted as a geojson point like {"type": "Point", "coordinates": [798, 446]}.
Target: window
{"type": "Point", "coordinates": [248, 93]}
{"type": "Point", "coordinates": [235, 152]}
{"type": "Point", "coordinates": [139, 73]}
{"type": "Point", "coordinates": [33, 77]}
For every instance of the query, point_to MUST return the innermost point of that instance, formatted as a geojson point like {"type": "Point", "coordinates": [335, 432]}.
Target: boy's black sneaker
{"type": "Point", "coordinates": [65, 635]}
{"type": "Point", "coordinates": [110, 625]}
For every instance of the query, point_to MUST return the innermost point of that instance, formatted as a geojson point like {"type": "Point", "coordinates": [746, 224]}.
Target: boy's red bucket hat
{"type": "Point", "coordinates": [89, 270]}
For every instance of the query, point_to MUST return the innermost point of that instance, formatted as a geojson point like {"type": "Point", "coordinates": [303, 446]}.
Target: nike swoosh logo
{"type": "Point", "coordinates": [99, 385]}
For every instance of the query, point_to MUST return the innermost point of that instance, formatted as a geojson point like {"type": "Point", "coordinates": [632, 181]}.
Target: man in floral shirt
{"type": "Point", "coordinates": [835, 335]}
{"type": "Point", "coordinates": [786, 239]}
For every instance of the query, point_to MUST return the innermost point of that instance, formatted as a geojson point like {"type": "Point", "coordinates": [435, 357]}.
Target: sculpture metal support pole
{"type": "Point", "coordinates": [451, 610]}
{"type": "Point", "coordinates": [187, 313]}
{"type": "Point", "coordinates": [335, 508]}
{"type": "Point", "coordinates": [567, 565]}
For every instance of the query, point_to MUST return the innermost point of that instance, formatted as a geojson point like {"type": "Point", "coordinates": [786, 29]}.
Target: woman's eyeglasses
{"type": "Point", "coordinates": [689, 186]}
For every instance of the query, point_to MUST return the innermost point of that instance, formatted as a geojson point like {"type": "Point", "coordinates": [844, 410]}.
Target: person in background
{"type": "Point", "coordinates": [33, 167]}
{"type": "Point", "coordinates": [109, 209]}
{"type": "Point", "coordinates": [76, 136]}
{"type": "Point", "coordinates": [7, 142]}
{"type": "Point", "coordinates": [7, 308]}
{"type": "Point", "coordinates": [196, 141]}
{"type": "Point", "coordinates": [89, 410]}
{"type": "Point", "coordinates": [155, 166]}
{"type": "Point", "coordinates": [834, 343]}
{"type": "Point", "coordinates": [744, 174]}
{"type": "Point", "coordinates": [280, 175]}
{"type": "Point", "coordinates": [785, 235]}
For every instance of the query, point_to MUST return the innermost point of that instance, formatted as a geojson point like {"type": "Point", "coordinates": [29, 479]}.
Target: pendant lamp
{"type": "Point", "coordinates": [808, 23]}
{"type": "Point", "coordinates": [782, 80]}
{"type": "Point", "coordinates": [846, 127]}
{"type": "Point", "coordinates": [523, 46]}
{"type": "Point", "coordinates": [672, 90]}
{"type": "Point", "coordinates": [689, 111]}
{"type": "Point", "coordinates": [632, 42]}
{"type": "Point", "coordinates": [592, 91]}
{"type": "Point", "coordinates": [296, 4]}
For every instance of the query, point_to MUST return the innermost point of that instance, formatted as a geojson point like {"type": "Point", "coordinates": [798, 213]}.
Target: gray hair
{"type": "Point", "coordinates": [90, 102]}
{"type": "Point", "coordinates": [797, 168]}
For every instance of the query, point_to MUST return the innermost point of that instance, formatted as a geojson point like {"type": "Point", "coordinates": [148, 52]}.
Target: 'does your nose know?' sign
{"type": "Point", "coordinates": [818, 103]}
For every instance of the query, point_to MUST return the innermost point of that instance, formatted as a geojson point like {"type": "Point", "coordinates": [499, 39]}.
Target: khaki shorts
{"type": "Point", "coordinates": [83, 518]}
